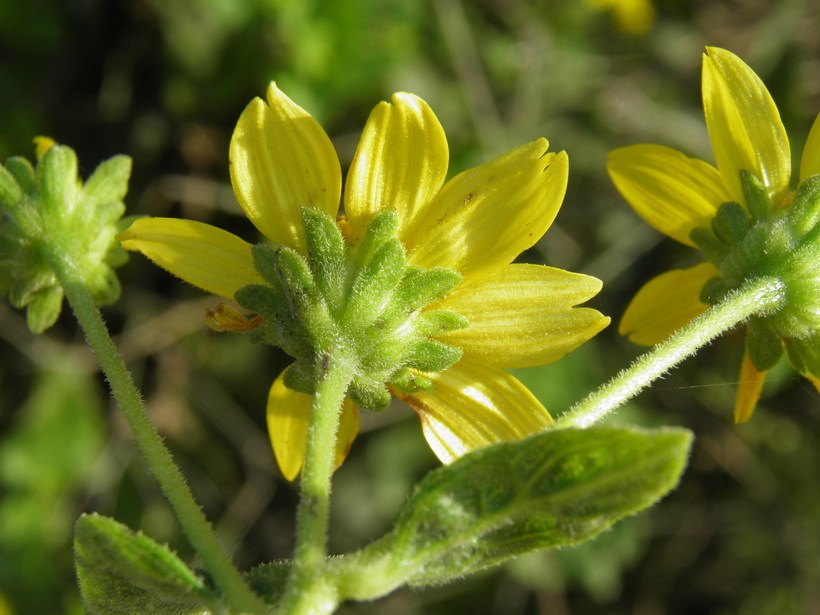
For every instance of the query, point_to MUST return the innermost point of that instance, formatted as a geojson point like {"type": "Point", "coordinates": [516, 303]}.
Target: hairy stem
{"type": "Point", "coordinates": [312, 588]}
{"type": "Point", "coordinates": [757, 297]}
{"type": "Point", "coordinates": [237, 594]}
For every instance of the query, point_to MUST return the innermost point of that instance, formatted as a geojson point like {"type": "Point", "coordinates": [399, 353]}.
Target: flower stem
{"type": "Point", "coordinates": [312, 589]}
{"type": "Point", "coordinates": [235, 591]}
{"type": "Point", "coordinates": [758, 297]}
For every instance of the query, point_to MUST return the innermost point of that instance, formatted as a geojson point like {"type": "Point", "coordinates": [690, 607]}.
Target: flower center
{"type": "Point", "coordinates": [358, 301]}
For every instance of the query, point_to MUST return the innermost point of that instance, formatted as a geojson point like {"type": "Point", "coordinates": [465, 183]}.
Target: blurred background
{"type": "Point", "coordinates": [165, 80]}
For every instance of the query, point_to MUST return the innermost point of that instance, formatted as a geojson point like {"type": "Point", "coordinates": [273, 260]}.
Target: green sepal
{"type": "Point", "coordinates": [370, 395]}
{"type": "Point", "coordinates": [121, 572]}
{"type": "Point", "coordinates": [44, 308]}
{"type": "Point", "coordinates": [436, 322]}
{"type": "Point", "coordinates": [10, 192]}
{"type": "Point", "coordinates": [25, 289]}
{"type": "Point", "coordinates": [296, 277]}
{"type": "Point", "coordinates": [433, 356]}
{"type": "Point", "coordinates": [116, 255]}
{"type": "Point", "coordinates": [382, 227]}
{"type": "Point", "coordinates": [104, 285]}
{"type": "Point", "coordinates": [326, 250]}
{"type": "Point", "coordinates": [420, 286]}
{"type": "Point", "coordinates": [804, 354]}
{"type": "Point", "coordinates": [108, 185]}
{"type": "Point", "coordinates": [57, 171]}
{"type": "Point", "coordinates": [553, 489]}
{"type": "Point", "coordinates": [23, 172]}
{"type": "Point", "coordinates": [804, 212]}
{"type": "Point", "coordinates": [301, 376]}
{"type": "Point", "coordinates": [730, 224]}
{"type": "Point", "coordinates": [108, 212]}
{"type": "Point", "coordinates": [266, 264]}
{"type": "Point", "coordinates": [407, 381]}
{"type": "Point", "coordinates": [714, 290]}
{"type": "Point", "coordinates": [755, 197]}
{"type": "Point", "coordinates": [374, 284]}
{"type": "Point", "coordinates": [267, 301]}
{"type": "Point", "coordinates": [763, 345]}
{"type": "Point", "coordinates": [279, 326]}
{"type": "Point", "coordinates": [712, 248]}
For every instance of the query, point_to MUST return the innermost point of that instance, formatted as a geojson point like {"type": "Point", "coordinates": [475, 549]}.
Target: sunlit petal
{"type": "Point", "coordinates": [665, 304]}
{"type": "Point", "coordinates": [400, 163]}
{"type": "Point", "coordinates": [483, 218]}
{"type": "Point", "coordinates": [281, 161]}
{"type": "Point", "coordinates": [475, 405]}
{"type": "Point", "coordinates": [288, 416]}
{"type": "Point", "coordinates": [208, 257]}
{"type": "Point", "coordinates": [810, 162]}
{"type": "Point", "coordinates": [523, 315]}
{"type": "Point", "coordinates": [744, 125]}
{"type": "Point", "coordinates": [672, 192]}
{"type": "Point", "coordinates": [748, 390]}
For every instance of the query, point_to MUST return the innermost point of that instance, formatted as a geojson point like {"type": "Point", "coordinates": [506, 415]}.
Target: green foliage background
{"type": "Point", "coordinates": [164, 82]}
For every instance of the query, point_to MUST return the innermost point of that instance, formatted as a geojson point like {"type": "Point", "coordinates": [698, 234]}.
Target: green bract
{"type": "Point", "coordinates": [48, 210]}
{"type": "Point", "coordinates": [782, 243]}
{"type": "Point", "coordinates": [363, 301]}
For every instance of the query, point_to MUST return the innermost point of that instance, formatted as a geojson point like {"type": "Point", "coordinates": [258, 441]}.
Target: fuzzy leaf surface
{"type": "Point", "coordinates": [554, 489]}
{"type": "Point", "coordinates": [122, 572]}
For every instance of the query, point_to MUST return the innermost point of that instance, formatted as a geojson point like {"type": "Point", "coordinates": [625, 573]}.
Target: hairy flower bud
{"type": "Point", "coordinates": [47, 209]}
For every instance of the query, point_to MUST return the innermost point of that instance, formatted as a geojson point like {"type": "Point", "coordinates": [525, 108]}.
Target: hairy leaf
{"type": "Point", "coordinates": [123, 572]}
{"type": "Point", "coordinates": [554, 489]}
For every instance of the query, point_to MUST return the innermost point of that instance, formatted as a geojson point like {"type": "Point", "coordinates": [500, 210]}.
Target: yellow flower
{"type": "Point", "coordinates": [682, 197]}
{"type": "Point", "coordinates": [631, 16]}
{"type": "Point", "coordinates": [475, 224]}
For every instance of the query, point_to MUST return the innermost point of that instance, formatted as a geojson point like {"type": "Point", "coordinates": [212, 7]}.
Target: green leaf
{"type": "Point", "coordinates": [124, 572]}
{"type": "Point", "coordinates": [554, 489]}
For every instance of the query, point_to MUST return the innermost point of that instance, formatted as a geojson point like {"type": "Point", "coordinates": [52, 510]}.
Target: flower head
{"type": "Point", "coordinates": [414, 283]}
{"type": "Point", "coordinates": [742, 214]}
{"type": "Point", "coordinates": [47, 208]}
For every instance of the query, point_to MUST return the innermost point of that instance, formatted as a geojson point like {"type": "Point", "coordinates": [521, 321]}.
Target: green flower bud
{"type": "Point", "coordinates": [48, 210]}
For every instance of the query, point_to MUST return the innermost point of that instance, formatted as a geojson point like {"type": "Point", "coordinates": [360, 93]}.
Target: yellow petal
{"type": "Point", "coordinates": [810, 162]}
{"type": "Point", "coordinates": [475, 405]}
{"type": "Point", "coordinates": [744, 125]}
{"type": "Point", "coordinates": [523, 315]}
{"type": "Point", "coordinates": [206, 256]}
{"type": "Point", "coordinates": [673, 193]}
{"type": "Point", "coordinates": [281, 161]}
{"type": "Point", "coordinates": [42, 145]}
{"type": "Point", "coordinates": [400, 163]}
{"type": "Point", "coordinates": [665, 304]}
{"type": "Point", "coordinates": [814, 380]}
{"type": "Point", "coordinates": [483, 218]}
{"type": "Point", "coordinates": [288, 417]}
{"type": "Point", "coordinates": [748, 390]}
